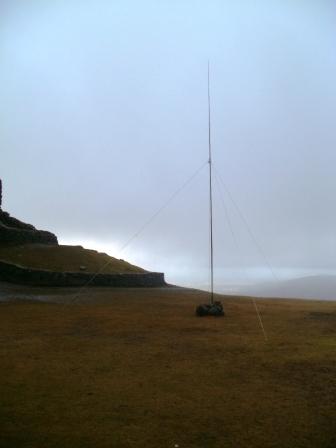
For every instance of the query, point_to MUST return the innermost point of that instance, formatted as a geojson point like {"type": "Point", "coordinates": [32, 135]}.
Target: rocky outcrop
{"type": "Point", "coordinates": [13, 273]}
{"type": "Point", "coordinates": [14, 231]}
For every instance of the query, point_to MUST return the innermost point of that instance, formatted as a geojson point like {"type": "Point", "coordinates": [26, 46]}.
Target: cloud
{"type": "Point", "coordinates": [104, 116]}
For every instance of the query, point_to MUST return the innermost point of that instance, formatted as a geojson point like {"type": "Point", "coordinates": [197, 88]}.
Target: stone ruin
{"type": "Point", "coordinates": [13, 231]}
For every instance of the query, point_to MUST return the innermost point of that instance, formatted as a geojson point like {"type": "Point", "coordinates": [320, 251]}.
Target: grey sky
{"type": "Point", "coordinates": [104, 115]}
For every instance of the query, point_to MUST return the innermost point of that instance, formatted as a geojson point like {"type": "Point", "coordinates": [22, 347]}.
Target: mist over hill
{"type": "Point", "coordinates": [312, 287]}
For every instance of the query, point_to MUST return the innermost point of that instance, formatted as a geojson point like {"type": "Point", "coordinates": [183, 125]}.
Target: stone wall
{"type": "Point", "coordinates": [9, 221]}
{"type": "Point", "coordinates": [13, 231]}
{"type": "Point", "coordinates": [20, 275]}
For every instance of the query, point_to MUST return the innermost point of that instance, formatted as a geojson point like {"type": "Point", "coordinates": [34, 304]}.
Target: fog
{"type": "Point", "coordinates": [104, 116]}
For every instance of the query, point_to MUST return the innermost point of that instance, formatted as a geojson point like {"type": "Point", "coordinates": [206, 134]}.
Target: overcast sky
{"type": "Point", "coordinates": [104, 115]}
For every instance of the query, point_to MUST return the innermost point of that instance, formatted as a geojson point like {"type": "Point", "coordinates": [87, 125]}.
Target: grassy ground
{"type": "Point", "coordinates": [136, 368]}
{"type": "Point", "coordinates": [64, 259]}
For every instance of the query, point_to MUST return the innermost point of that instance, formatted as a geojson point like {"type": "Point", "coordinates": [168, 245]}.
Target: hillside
{"type": "Point", "coordinates": [33, 257]}
{"type": "Point", "coordinates": [65, 259]}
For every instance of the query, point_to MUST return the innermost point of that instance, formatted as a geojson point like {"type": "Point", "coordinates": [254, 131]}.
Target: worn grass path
{"type": "Point", "coordinates": [135, 368]}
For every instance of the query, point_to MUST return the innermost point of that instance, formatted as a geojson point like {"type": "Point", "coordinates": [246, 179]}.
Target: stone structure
{"type": "Point", "coordinates": [13, 273]}
{"type": "Point", "coordinates": [14, 231]}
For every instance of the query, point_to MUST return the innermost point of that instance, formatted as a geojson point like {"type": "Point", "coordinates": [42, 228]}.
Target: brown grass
{"type": "Point", "coordinates": [136, 368]}
{"type": "Point", "coordinates": [64, 259]}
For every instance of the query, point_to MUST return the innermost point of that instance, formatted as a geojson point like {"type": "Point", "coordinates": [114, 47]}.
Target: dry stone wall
{"type": "Point", "coordinates": [20, 275]}
{"type": "Point", "coordinates": [14, 231]}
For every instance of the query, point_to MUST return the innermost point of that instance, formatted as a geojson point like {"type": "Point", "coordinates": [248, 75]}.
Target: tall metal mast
{"type": "Point", "coordinates": [210, 193]}
{"type": "Point", "coordinates": [212, 309]}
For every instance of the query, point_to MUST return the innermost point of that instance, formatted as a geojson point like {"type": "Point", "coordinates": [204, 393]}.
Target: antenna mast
{"type": "Point", "coordinates": [210, 193]}
{"type": "Point", "coordinates": [212, 309]}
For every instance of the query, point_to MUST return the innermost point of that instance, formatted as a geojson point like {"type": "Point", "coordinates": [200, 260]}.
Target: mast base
{"type": "Point", "coordinates": [215, 309]}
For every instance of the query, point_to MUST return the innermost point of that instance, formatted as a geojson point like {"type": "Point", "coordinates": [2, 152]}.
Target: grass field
{"type": "Point", "coordinates": [64, 259]}
{"type": "Point", "coordinates": [136, 368]}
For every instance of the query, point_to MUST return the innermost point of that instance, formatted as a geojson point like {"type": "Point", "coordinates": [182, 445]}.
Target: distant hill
{"type": "Point", "coordinates": [311, 287]}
